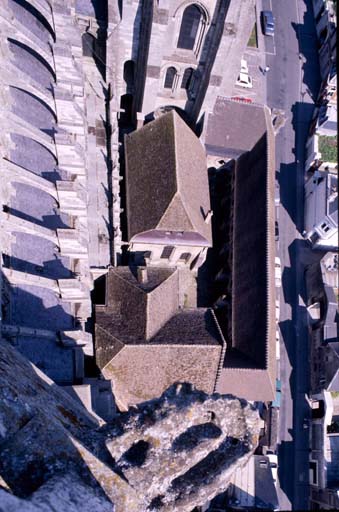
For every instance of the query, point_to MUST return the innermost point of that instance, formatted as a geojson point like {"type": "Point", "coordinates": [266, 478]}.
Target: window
{"type": "Point", "coordinates": [313, 468]}
{"type": "Point", "coordinates": [189, 27]}
{"type": "Point", "coordinates": [169, 78]}
{"type": "Point", "coordinates": [325, 227]}
{"type": "Point", "coordinates": [187, 78]}
{"type": "Point", "coordinates": [185, 256]}
{"type": "Point", "coordinates": [167, 252]}
{"type": "Point", "coordinates": [129, 72]}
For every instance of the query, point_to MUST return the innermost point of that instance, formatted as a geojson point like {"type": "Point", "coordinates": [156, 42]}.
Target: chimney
{"type": "Point", "coordinates": [142, 275]}
{"type": "Point", "coordinates": [208, 216]}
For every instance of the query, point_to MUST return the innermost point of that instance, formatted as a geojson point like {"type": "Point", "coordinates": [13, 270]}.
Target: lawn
{"type": "Point", "coordinates": [253, 40]}
{"type": "Point", "coordinates": [328, 148]}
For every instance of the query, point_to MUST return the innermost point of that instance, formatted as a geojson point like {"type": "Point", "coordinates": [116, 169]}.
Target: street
{"type": "Point", "coordinates": [292, 84]}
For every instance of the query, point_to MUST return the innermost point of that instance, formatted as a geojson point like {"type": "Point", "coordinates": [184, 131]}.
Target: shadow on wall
{"type": "Point", "coordinates": [208, 54]}
{"type": "Point", "coordinates": [52, 269]}
{"type": "Point", "coordinates": [291, 175]}
{"type": "Point", "coordinates": [308, 48]}
{"type": "Point", "coordinates": [95, 47]}
{"type": "Point", "coordinates": [295, 337]}
{"type": "Point", "coordinates": [22, 308]}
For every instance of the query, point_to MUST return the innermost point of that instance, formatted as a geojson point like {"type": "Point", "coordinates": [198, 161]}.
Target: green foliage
{"type": "Point", "coordinates": [253, 40]}
{"type": "Point", "coordinates": [328, 148]}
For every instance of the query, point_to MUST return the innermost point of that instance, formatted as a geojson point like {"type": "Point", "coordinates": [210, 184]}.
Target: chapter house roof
{"type": "Point", "coordinates": [146, 311]}
{"type": "Point", "coordinates": [166, 179]}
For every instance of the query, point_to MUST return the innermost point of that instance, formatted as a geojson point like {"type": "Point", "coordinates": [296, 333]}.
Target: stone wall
{"type": "Point", "coordinates": [173, 453]}
{"type": "Point", "coordinates": [148, 34]}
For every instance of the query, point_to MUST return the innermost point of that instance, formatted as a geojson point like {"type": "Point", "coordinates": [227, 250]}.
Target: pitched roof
{"type": "Point", "coordinates": [234, 128]}
{"type": "Point", "coordinates": [196, 326]}
{"type": "Point", "coordinates": [253, 278]}
{"type": "Point", "coordinates": [138, 314]}
{"type": "Point", "coordinates": [166, 179]}
{"type": "Point", "coordinates": [135, 309]}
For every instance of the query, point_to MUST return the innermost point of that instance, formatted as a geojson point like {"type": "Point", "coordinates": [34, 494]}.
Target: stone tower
{"type": "Point", "coordinates": [178, 53]}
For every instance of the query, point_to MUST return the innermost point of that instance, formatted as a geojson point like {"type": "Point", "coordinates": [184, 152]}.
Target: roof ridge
{"type": "Point", "coordinates": [178, 196]}
{"type": "Point", "coordinates": [122, 278]}
{"type": "Point", "coordinates": [177, 119]}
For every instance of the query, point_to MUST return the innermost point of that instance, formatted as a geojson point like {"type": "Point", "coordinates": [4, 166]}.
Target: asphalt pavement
{"type": "Point", "coordinates": [292, 86]}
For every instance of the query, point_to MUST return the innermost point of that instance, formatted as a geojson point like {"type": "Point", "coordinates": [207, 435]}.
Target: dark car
{"type": "Point", "coordinates": [276, 231]}
{"type": "Point", "coordinates": [267, 21]}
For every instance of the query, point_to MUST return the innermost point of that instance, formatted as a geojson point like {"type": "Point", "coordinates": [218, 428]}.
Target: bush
{"type": "Point", "coordinates": [328, 148]}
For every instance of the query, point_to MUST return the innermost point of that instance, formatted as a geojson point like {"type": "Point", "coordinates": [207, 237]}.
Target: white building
{"type": "Point", "coordinates": [321, 210]}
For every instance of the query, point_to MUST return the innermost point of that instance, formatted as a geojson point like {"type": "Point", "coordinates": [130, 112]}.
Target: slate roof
{"type": "Point", "coordinates": [253, 280]}
{"type": "Point", "coordinates": [233, 128]}
{"type": "Point", "coordinates": [138, 314]}
{"type": "Point", "coordinates": [166, 179]}
{"type": "Point", "coordinates": [196, 326]}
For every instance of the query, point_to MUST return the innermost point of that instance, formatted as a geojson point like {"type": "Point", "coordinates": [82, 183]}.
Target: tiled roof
{"type": "Point", "coordinates": [138, 314]}
{"type": "Point", "coordinates": [166, 179]}
{"type": "Point", "coordinates": [234, 128]}
{"type": "Point", "coordinates": [253, 280]}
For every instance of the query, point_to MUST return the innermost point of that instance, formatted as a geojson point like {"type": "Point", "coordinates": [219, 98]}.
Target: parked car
{"type": "Point", "coordinates": [277, 309]}
{"type": "Point", "coordinates": [277, 272]}
{"type": "Point", "coordinates": [243, 66]}
{"type": "Point", "coordinates": [267, 21]}
{"type": "Point", "coordinates": [273, 458]}
{"type": "Point", "coordinates": [276, 194]}
{"type": "Point", "coordinates": [277, 344]}
{"type": "Point", "coordinates": [276, 231]}
{"type": "Point", "coordinates": [244, 80]}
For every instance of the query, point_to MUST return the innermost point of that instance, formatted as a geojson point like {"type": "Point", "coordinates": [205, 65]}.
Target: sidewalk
{"type": "Point", "coordinates": [256, 59]}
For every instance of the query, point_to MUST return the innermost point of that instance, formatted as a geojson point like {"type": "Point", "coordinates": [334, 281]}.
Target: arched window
{"type": "Point", "coordinates": [189, 27]}
{"type": "Point", "coordinates": [187, 78]}
{"type": "Point", "coordinates": [129, 70]}
{"type": "Point", "coordinates": [88, 45]}
{"type": "Point", "coordinates": [169, 78]}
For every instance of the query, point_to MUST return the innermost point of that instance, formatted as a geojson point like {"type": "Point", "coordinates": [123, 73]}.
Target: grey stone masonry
{"type": "Point", "coordinates": [43, 179]}
{"type": "Point", "coordinates": [145, 44]}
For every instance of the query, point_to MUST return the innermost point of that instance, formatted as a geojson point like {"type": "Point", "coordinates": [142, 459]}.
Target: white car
{"type": "Point", "coordinates": [273, 458]}
{"type": "Point", "coordinates": [244, 67]}
{"type": "Point", "coordinates": [277, 272]}
{"type": "Point", "coordinates": [277, 310]}
{"type": "Point", "coordinates": [244, 80]}
{"type": "Point", "coordinates": [277, 343]}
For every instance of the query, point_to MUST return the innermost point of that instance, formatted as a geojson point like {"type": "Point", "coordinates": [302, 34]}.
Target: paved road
{"type": "Point", "coordinates": [290, 84]}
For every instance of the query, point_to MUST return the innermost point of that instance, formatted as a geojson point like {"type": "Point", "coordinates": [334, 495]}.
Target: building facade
{"type": "Point", "coordinates": [321, 210]}
{"type": "Point", "coordinates": [323, 465]}
{"type": "Point", "coordinates": [177, 53]}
